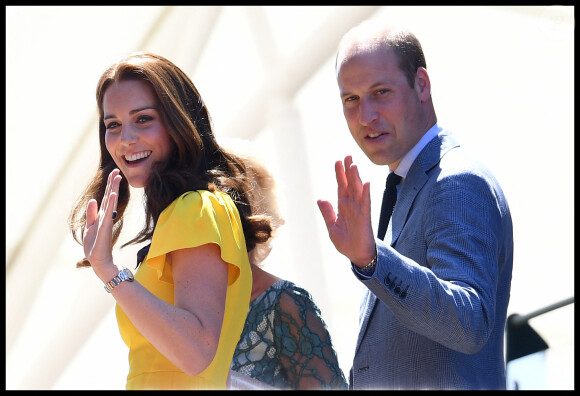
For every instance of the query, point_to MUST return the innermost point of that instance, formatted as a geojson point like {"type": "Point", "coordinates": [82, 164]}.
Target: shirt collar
{"type": "Point", "coordinates": [410, 157]}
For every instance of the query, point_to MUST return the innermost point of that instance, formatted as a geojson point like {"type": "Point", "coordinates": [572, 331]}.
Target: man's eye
{"type": "Point", "coordinates": [351, 99]}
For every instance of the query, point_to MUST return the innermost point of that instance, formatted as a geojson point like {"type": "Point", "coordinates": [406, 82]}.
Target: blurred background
{"type": "Point", "coordinates": [502, 78]}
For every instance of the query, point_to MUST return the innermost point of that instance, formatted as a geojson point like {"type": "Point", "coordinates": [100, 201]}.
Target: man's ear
{"type": "Point", "coordinates": [422, 84]}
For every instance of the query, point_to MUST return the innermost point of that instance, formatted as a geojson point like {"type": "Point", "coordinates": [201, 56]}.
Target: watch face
{"type": "Point", "coordinates": [125, 274]}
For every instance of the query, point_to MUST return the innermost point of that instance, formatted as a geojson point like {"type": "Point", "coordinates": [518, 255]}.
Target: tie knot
{"type": "Point", "coordinates": [393, 179]}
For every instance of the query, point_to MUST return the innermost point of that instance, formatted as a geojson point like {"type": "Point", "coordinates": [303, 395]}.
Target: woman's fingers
{"type": "Point", "coordinates": [92, 213]}
{"type": "Point", "coordinates": [99, 221]}
{"type": "Point", "coordinates": [113, 197]}
{"type": "Point", "coordinates": [107, 193]}
{"type": "Point", "coordinates": [108, 190]}
{"type": "Point", "coordinates": [109, 204]}
{"type": "Point", "coordinates": [91, 227]}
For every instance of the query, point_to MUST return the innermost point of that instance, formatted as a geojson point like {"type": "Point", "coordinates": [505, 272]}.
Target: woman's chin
{"type": "Point", "coordinates": [137, 182]}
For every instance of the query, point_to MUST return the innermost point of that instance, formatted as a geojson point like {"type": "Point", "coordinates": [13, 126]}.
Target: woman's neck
{"type": "Point", "coordinates": [261, 281]}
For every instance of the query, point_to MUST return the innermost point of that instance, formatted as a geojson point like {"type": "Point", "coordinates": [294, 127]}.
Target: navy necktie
{"type": "Point", "coordinates": [389, 199]}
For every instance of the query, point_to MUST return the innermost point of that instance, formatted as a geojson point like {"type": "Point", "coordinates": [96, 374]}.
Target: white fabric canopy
{"type": "Point", "coordinates": [502, 77]}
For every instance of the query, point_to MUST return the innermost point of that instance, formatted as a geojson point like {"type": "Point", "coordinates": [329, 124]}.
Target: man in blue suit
{"type": "Point", "coordinates": [438, 285]}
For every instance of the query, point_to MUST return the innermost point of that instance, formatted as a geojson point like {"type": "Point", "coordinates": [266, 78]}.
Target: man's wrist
{"type": "Point", "coordinates": [369, 269]}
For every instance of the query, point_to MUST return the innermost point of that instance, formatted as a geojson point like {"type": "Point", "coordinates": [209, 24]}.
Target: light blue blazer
{"type": "Point", "coordinates": [434, 312]}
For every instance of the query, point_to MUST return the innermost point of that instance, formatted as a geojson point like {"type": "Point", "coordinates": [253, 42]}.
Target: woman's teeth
{"type": "Point", "coordinates": [135, 157]}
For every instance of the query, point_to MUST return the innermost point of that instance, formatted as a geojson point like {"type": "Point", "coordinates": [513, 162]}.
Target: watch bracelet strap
{"type": "Point", "coordinates": [112, 284]}
{"type": "Point", "coordinates": [369, 269]}
{"type": "Point", "coordinates": [116, 281]}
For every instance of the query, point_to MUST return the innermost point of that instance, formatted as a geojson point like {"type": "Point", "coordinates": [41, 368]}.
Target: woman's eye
{"type": "Point", "coordinates": [143, 119]}
{"type": "Point", "coordinates": [111, 125]}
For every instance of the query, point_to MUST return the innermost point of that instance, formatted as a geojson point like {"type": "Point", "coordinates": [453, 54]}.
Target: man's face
{"type": "Point", "coordinates": [384, 114]}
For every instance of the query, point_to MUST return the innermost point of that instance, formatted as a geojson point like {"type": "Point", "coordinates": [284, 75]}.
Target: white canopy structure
{"type": "Point", "coordinates": [502, 78]}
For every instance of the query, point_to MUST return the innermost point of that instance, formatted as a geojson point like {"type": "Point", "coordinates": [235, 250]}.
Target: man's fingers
{"type": "Point", "coordinates": [347, 161]}
{"type": "Point", "coordinates": [366, 198]}
{"type": "Point", "coordinates": [340, 179]}
{"type": "Point", "coordinates": [354, 182]}
{"type": "Point", "coordinates": [327, 212]}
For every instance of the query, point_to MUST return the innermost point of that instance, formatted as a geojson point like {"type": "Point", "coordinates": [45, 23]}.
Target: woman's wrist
{"type": "Point", "coordinates": [105, 271]}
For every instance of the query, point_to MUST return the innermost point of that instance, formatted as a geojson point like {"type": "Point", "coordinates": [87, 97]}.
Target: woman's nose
{"type": "Point", "coordinates": [128, 134]}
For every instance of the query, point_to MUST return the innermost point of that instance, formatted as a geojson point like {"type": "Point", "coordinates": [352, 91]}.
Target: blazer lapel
{"type": "Point", "coordinates": [409, 190]}
{"type": "Point", "coordinates": [415, 180]}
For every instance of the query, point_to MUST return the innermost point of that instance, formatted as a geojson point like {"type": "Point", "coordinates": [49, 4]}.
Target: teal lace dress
{"type": "Point", "coordinates": [285, 342]}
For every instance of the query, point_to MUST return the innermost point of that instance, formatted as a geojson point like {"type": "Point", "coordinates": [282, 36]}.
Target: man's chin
{"type": "Point", "coordinates": [378, 159]}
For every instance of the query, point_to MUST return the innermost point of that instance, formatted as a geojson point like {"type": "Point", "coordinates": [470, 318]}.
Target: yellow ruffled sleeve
{"type": "Point", "coordinates": [194, 219]}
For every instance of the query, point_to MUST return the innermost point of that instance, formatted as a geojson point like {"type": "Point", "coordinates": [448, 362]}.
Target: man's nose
{"type": "Point", "coordinates": [367, 113]}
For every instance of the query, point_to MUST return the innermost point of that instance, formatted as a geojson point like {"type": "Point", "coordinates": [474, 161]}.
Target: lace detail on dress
{"type": "Point", "coordinates": [285, 342]}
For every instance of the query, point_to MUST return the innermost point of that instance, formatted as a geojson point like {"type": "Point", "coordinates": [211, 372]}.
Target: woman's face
{"type": "Point", "coordinates": [135, 135]}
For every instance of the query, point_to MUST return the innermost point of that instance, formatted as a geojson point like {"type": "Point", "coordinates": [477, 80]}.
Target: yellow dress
{"type": "Point", "coordinates": [196, 218]}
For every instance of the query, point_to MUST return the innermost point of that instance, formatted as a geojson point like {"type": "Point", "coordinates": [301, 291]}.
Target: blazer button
{"type": "Point", "coordinates": [398, 288]}
{"type": "Point", "coordinates": [387, 280]}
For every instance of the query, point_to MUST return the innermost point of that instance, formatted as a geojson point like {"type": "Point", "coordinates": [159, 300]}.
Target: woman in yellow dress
{"type": "Point", "coordinates": [182, 312]}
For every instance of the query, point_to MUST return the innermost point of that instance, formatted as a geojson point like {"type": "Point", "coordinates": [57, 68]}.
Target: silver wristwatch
{"type": "Point", "coordinates": [124, 275]}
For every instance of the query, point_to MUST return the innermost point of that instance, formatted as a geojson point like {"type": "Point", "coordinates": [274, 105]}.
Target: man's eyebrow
{"type": "Point", "coordinates": [344, 93]}
{"type": "Point", "coordinates": [107, 116]}
{"type": "Point", "coordinates": [370, 88]}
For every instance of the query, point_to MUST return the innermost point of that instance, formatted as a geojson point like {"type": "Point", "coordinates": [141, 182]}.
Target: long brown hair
{"type": "Point", "coordinates": [196, 161]}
